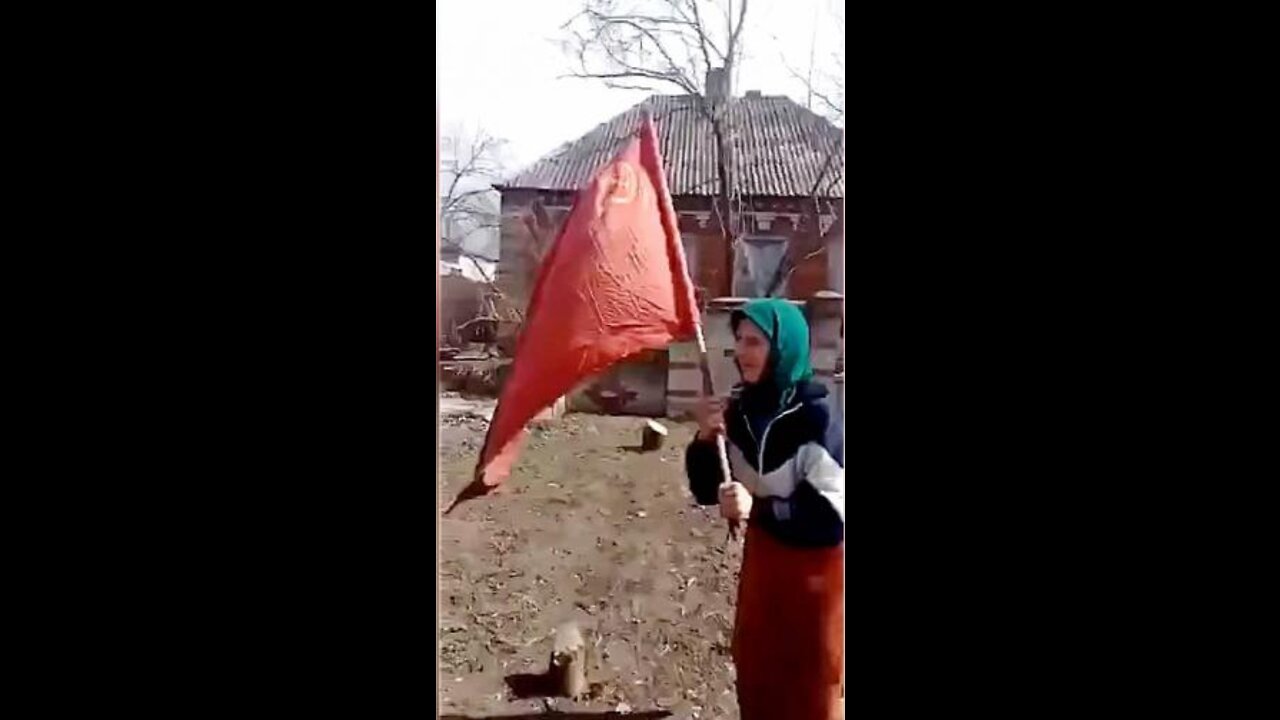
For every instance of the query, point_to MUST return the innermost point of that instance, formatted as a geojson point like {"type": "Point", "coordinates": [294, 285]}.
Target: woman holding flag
{"type": "Point", "coordinates": [786, 454]}
{"type": "Point", "coordinates": [614, 283]}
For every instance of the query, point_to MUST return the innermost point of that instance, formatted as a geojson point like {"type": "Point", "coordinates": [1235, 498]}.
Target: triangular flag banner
{"type": "Point", "coordinates": [613, 284]}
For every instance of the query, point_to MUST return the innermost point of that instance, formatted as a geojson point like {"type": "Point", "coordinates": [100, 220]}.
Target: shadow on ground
{"type": "Point", "coordinates": [648, 715]}
{"type": "Point", "coordinates": [530, 685]}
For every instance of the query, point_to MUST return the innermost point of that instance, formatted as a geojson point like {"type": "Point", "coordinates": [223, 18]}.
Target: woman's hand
{"type": "Point", "coordinates": [735, 501]}
{"type": "Point", "coordinates": [710, 415]}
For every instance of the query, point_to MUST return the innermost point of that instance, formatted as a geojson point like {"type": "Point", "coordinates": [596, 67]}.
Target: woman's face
{"type": "Point", "coordinates": [752, 351]}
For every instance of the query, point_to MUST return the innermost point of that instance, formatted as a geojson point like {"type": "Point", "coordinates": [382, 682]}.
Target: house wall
{"type": "Point", "coordinates": [517, 262]}
{"type": "Point", "coordinates": [825, 313]}
{"type": "Point", "coordinates": [835, 263]}
{"type": "Point", "coordinates": [668, 383]}
{"type": "Point", "coordinates": [789, 218]}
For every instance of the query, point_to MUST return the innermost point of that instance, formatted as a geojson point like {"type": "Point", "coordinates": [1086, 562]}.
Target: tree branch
{"type": "Point", "coordinates": [463, 209]}
{"type": "Point", "coordinates": [449, 204]}
{"type": "Point", "coordinates": [638, 49]}
{"type": "Point", "coordinates": [702, 37]}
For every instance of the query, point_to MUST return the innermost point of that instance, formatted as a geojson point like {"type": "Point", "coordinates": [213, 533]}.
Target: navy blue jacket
{"type": "Point", "coordinates": [793, 464]}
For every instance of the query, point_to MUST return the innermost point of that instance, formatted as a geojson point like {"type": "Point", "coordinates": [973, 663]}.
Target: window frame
{"type": "Point", "coordinates": [741, 262]}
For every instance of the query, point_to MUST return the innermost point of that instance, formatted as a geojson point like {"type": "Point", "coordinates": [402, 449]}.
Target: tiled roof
{"type": "Point", "coordinates": [781, 148]}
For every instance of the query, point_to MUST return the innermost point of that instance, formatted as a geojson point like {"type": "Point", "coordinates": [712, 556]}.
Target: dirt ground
{"type": "Point", "coordinates": [592, 530]}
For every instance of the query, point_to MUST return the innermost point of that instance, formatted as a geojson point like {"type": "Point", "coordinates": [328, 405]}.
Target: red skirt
{"type": "Point", "coordinates": [788, 639]}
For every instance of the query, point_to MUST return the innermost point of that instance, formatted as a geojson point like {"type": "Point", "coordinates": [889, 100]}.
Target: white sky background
{"type": "Point", "coordinates": [499, 61]}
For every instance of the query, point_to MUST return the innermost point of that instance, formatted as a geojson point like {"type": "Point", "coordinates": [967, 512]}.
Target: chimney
{"type": "Point", "coordinates": [753, 94]}
{"type": "Point", "coordinates": [717, 89]}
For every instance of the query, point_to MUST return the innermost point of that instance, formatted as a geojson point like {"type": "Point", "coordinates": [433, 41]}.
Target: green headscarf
{"type": "Point", "coordinates": [788, 333]}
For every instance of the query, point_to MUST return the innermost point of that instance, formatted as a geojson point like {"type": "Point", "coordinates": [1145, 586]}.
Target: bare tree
{"type": "Point", "coordinates": [657, 44]}
{"type": "Point", "coordinates": [826, 87]}
{"type": "Point", "coordinates": [469, 166]}
{"type": "Point", "coordinates": [823, 86]}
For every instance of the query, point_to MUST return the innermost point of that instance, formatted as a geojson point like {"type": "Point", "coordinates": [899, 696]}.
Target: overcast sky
{"type": "Point", "coordinates": [499, 62]}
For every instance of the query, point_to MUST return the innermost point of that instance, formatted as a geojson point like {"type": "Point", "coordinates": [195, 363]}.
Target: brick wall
{"type": "Point", "coordinates": [517, 266]}
{"type": "Point", "coordinates": [788, 218]}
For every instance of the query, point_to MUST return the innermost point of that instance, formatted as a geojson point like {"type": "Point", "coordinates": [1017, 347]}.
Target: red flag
{"type": "Point", "coordinates": [614, 284]}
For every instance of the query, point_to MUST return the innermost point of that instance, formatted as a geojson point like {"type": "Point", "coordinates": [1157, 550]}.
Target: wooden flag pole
{"type": "Point", "coordinates": [708, 390]}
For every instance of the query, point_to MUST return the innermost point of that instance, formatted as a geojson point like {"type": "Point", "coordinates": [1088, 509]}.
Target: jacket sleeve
{"type": "Point", "coordinates": [814, 514]}
{"type": "Point", "coordinates": [703, 468]}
